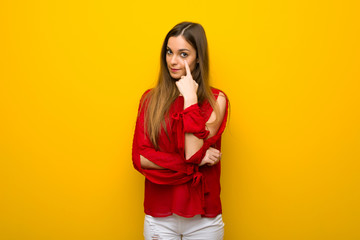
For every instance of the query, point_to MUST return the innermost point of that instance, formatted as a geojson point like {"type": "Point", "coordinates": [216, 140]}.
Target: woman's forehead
{"type": "Point", "coordinates": [179, 42]}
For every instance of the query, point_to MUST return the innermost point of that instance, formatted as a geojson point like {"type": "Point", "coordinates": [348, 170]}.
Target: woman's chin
{"type": "Point", "coordinates": [175, 77]}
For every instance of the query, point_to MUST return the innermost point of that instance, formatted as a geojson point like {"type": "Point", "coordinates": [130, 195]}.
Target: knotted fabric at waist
{"type": "Point", "coordinates": [198, 184]}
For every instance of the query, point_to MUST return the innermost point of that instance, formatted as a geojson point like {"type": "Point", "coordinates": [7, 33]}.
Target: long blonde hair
{"type": "Point", "coordinates": [160, 98]}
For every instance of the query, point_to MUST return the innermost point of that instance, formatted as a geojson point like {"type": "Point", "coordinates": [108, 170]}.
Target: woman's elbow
{"type": "Point", "coordinates": [188, 156]}
{"type": "Point", "coordinates": [143, 162]}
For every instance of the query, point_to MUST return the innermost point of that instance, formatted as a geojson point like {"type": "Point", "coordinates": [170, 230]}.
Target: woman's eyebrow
{"type": "Point", "coordinates": [180, 50]}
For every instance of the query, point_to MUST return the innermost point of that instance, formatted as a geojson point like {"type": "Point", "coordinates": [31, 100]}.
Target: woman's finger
{"type": "Point", "coordinates": [187, 68]}
{"type": "Point", "coordinates": [214, 150]}
{"type": "Point", "coordinates": [212, 158]}
{"type": "Point", "coordinates": [215, 154]}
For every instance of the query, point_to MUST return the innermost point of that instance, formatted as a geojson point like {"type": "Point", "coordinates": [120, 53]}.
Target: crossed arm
{"type": "Point", "coordinates": [193, 143]}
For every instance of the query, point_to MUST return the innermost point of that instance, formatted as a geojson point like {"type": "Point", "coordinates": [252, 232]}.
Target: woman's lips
{"type": "Point", "coordinates": [174, 69]}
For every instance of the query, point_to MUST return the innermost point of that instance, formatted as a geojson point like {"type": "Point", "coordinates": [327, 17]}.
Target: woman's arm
{"type": "Point", "coordinates": [165, 168]}
{"type": "Point", "coordinates": [194, 125]}
{"type": "Point", "coordinates": [174, 169]}
{"type": "Point", "coordinates": [147, 164]}
{"type": "Point", "coordinates": [194, 144]}
{"type": "Point", "coordinates": [145, 156]}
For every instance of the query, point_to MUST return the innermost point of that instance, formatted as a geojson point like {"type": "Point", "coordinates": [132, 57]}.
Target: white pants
{"type": "Point", "coordinates": [175, 227]}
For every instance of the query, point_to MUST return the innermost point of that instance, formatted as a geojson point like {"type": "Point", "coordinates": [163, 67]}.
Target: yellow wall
{"type": "Point", "coordinates": [72, 73]}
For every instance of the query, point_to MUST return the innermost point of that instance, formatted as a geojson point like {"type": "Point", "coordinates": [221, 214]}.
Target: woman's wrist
{"type": "Point", "coordinates": [190, 101]}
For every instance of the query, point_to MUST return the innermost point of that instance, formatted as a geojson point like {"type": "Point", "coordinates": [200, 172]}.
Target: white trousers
{"type": "Point", "coordinates": [175, 227]}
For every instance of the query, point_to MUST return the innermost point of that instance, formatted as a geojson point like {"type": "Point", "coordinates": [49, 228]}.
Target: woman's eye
{"type": "Point", "coordinates": [183, 54]}
{"type": "Point", "coordinates": [168, 51]}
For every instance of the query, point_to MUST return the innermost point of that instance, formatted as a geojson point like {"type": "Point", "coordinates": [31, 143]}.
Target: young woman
{"type": "Point", "coordinates": [177, 142]}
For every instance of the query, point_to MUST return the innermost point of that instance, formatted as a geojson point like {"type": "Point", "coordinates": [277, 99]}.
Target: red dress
{"type": "Point", "coordinates": [183, 187]}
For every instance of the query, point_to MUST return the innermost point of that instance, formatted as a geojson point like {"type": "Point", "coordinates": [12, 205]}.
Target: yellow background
{"type": "Point", "coordinates": [72, 73]}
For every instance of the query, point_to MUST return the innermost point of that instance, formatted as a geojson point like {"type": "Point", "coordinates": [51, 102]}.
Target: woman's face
{"type": "Point", "coordinates": [178, 50]}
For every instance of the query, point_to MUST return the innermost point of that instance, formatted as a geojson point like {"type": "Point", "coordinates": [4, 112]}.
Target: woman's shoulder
{"type": "Point", "coordinates": [145, 94]}
{"type": "Point", "coordinates": [144, 100]}
{"type": "Point", "coordinates": [217, 92]}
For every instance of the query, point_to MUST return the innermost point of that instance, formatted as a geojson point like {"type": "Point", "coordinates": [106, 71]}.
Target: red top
{"type": "Point", "coordinates": [183, 187]}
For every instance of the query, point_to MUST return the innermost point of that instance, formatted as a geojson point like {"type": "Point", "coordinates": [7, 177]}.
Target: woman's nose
{"type": "Point", "coordinates": [173, 60]}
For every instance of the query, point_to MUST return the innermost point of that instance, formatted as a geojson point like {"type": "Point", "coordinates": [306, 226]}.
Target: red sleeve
{"type": "Point", "coordinates": [177, 170]}
{"type": "Point", "coordinates": [194, 121]}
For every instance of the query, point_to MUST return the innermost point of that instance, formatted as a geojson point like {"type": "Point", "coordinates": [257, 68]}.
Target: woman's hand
{"type": "Point", "coordinates": [187, 85]}
{"type": "Point", "coordinates": [212, 157]}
